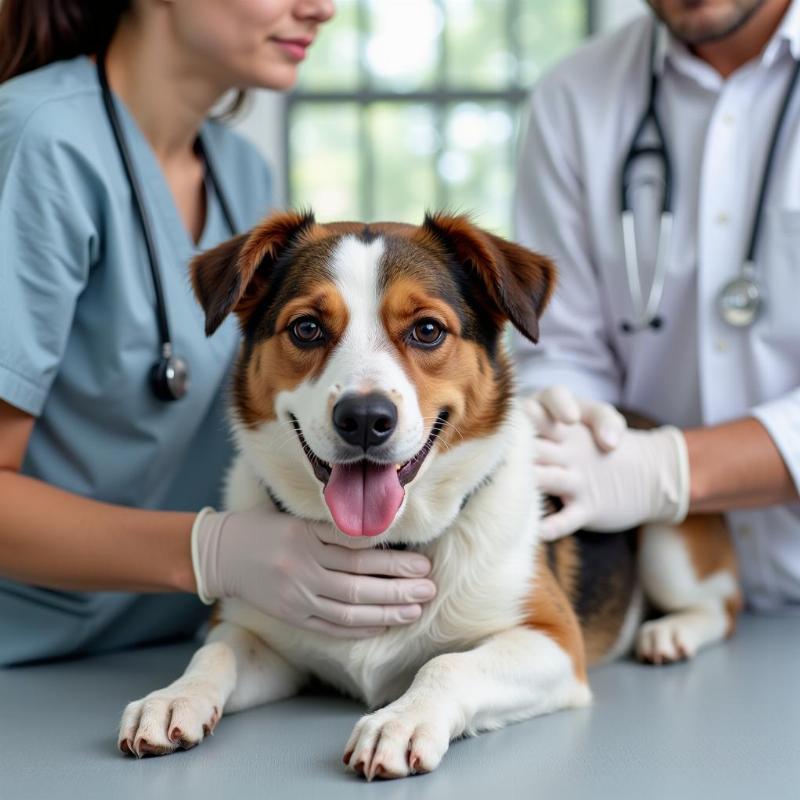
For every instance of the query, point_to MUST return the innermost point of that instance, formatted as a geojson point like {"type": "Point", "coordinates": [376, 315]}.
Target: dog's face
{"type": "Point", "coordinates": [371, 348]}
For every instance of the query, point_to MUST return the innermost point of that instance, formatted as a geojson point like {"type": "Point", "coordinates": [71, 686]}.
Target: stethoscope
{"type": "Point", "coordinates": [169, 376]}
{"type": "Point", "coordinates": [740, 301]}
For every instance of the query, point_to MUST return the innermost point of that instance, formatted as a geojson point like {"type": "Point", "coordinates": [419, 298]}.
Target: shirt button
{"type": "Point", "coordinates": [728, 119]}
{"type": "Point", "coordinates": [722, 218]}
{"type": "Point", "coordinates": [721, 345]}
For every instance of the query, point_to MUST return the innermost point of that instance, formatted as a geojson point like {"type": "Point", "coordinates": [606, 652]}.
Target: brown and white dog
{"type": "Point", "coordinates": [373, 389]}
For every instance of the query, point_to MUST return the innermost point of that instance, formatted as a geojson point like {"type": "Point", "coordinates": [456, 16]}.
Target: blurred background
{"type": "Point", "coordinates": [405, 105]}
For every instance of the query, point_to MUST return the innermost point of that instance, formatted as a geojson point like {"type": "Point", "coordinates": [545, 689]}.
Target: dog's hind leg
{"type": "Point", "coordinates": [689, 572]}
{"type": "Point", "coordinates": [233, 671]}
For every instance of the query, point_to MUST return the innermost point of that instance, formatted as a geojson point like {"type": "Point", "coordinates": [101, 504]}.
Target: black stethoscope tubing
{"type": "Point", "coordinates": [660, 151]}
{"type": "Point", "coordinates": [773, 147]}
{"type": "Point", "coordinates": [162, 367]}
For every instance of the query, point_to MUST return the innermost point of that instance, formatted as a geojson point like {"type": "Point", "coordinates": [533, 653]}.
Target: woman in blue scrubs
{"type": "Point", "coordinates": [101, 481]}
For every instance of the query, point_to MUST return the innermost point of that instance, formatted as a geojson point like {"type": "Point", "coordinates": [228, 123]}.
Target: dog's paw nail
{"type": "Point", "coordinates": [176, 734]}
{"type": "Point", "coordinates": [347, 756]}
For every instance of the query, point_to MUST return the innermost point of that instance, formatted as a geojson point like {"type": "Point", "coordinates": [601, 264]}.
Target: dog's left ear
{"type": "Point", "coordinates": [236, 274]}
{"type": "Point", "coordinates": [518, 281]}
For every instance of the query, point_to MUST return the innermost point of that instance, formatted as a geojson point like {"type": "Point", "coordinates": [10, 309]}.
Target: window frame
{"type": "Point", "coordinates": [441, 97]}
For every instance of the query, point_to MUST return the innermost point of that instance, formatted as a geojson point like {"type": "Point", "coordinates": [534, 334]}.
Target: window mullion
{"type": "Point", "coordinates": [440, 110]}
{"type": "Point", "coordinates": [366, 173]}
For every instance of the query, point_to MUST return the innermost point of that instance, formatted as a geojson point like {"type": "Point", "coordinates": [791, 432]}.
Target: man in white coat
{"type": "Point", "coordinates": [720, 366]}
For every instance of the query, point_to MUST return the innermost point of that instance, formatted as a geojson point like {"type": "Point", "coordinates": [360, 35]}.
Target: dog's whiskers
{"type": "Point", "coordinates": [444, 423]}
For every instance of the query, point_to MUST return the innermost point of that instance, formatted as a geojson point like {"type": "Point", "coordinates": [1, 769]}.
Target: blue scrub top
{"type": "Point", "coordinates": [78, 337]}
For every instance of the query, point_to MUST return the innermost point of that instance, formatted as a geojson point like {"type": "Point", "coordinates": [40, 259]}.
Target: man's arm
{"type": "Point", "coordinates": [736, 465]}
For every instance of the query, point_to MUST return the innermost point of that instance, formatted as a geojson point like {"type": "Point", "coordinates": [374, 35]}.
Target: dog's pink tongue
{"type": "Point", "coordinates": [363, 498]}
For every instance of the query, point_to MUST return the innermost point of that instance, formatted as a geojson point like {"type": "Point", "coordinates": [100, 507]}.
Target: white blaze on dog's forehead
{"type": "Point", "coordinates": [355, 266]}
{"type": "Point", "coordinates": [365, 359]}
{"type": "Point", "coordinates": [356, 269]}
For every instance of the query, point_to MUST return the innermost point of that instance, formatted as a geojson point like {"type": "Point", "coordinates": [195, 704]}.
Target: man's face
{"type": "Point", "coordinates": [699, 21]}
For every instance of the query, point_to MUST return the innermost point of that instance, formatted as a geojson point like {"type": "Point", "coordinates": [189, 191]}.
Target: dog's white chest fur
{"type": "Point", "coordinates": [483, 565]}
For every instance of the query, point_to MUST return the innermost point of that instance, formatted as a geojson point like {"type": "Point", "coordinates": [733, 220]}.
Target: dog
{"type": "Point", "coordinates": [373, 389]}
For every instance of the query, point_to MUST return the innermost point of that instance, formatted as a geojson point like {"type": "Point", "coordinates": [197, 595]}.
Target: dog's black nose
{"type": "Point", "coordinates": [365, 420]}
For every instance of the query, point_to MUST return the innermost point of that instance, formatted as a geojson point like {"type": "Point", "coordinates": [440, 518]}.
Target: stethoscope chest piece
{"type": "Point", "coordinates": [169, 376]}
{"type": "Point", "coordinates": [740, 302]}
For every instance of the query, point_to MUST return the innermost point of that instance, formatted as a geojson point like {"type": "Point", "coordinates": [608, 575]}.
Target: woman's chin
{"type": "Point", "coordinates": [277, 77]}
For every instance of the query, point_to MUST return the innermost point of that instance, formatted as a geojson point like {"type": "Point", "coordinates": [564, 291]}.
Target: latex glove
{"type": "Point", "coordinates": [559, 404]}
{"type": "Point", "coordinates": [294, 571]}
{"type": "Point", "coordinates": [645, 479]}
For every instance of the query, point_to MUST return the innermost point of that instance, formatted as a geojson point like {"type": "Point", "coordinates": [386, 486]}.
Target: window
{"type": "Point", "coordinates": [408, 105]}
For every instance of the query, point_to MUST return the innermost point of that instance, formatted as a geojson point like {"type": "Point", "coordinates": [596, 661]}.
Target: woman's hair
{"type": "Point", "coordinates": [37, 32]}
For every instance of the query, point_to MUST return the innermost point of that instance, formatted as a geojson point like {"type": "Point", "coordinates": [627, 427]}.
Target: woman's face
{"type": "Point", "coordinates": [249, 43]}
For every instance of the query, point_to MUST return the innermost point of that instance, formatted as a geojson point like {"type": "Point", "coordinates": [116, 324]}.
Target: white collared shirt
{"type": "Point", "coordinates": [696, 370]}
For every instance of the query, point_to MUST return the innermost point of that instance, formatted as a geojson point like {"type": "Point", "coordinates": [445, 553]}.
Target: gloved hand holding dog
{"type": "Point", "coordinates": [559, 404]}
{"type": "Point", "coordinates": [295, 571]}
{"type": "Point", "coordinates": [607, 477]}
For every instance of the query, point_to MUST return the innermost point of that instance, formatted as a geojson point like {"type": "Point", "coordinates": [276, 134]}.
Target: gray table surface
{"type": "Point", "coordinates": [725, 726]}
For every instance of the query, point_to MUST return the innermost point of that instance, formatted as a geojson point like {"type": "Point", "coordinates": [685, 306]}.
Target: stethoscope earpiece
{"type": "Point", "coordinates": [628, 327]}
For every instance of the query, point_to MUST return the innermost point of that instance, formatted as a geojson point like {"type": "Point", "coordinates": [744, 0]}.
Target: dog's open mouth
{"type": "Point", "coordinates": [364, 496]}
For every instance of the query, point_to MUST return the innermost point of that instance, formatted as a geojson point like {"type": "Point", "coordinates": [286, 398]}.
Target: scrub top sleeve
{"type": "Point", "coordinates": [550, 216]}
{"type": "Point", "coordinates": [781, 418]}
{"type": "Point", "coordinates": [48, 240]}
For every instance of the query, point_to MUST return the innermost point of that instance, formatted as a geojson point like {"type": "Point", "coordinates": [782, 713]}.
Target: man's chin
{"type": "Point", "coordinates": [698, 23]}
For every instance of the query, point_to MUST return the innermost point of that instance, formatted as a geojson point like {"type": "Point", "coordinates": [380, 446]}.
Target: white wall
{"type": "Point", "coordinates": [262, 123]}
{"type": "Point", "coordinates": [615, 12]}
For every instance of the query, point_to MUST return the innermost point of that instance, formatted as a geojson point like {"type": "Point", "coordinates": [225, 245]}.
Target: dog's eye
{"type": "Point", "coordinates": [305, 331]}
{"type": "Point", "coordinates": [427, 333]}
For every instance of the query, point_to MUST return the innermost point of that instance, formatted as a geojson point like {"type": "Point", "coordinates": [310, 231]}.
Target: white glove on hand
{"type": "Point", "coordinates": [559, 404]}
{"type": "Point", "coordinates": [645, 479]}
{"type": "Point", "coordinates": [294, 571]}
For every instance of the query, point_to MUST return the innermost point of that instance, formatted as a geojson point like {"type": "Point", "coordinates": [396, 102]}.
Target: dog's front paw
{"type": "Point", "coordinates": [180, 716]}
{"type": "Point", "coordinates": [404, 738]}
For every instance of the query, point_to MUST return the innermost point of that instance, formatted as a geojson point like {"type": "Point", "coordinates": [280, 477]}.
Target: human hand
{"type": "Point", "coordinates": [295, 571]}
{"type": "Point", "coordinates": [644, 479]}
{"type": "Point", "coordinates": [559, 404]}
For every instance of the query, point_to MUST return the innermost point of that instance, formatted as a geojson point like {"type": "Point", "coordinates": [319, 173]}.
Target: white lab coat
{"type": "Point", "coordinates": [696, 370]}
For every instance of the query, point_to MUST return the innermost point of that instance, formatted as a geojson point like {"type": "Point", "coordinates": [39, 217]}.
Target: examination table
{"type": "Point", "coordinates": [724, 726]}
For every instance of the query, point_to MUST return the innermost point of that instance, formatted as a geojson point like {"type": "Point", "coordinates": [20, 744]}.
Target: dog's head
{"type": "Point", "coordinates": [369, 349]}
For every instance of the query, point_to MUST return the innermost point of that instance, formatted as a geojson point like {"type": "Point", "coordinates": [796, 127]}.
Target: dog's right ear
{"type": "Point", "coordinates": [235, 275]}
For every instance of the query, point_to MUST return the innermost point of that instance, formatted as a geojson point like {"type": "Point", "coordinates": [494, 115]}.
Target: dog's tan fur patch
{"type": "Point", "coordinates": [550, 612]}
{"type": "Point", "coordinates": [276, 364]}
